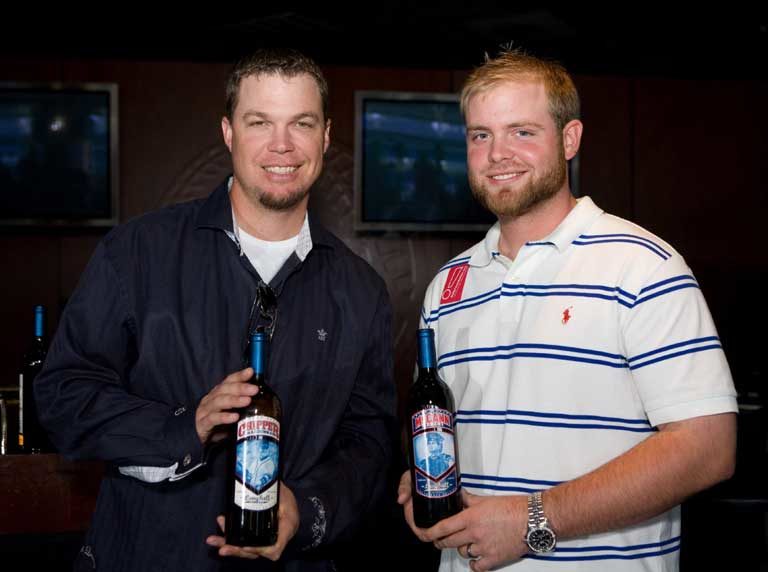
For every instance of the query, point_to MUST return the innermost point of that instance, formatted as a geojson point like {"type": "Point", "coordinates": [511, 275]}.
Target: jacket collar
{"type": "Point", "coordinates": [216, 213]}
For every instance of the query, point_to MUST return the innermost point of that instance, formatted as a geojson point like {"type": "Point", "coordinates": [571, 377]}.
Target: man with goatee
{"type": "Point", "coordinates": [146, 368]}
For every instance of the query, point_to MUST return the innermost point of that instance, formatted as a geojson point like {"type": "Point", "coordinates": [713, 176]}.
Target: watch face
{"type": "Point", "coordinates": [541, 540]}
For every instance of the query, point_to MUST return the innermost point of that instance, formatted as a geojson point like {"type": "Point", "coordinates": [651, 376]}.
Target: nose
{"type": "Point", "coordinates": [499, 150]}
{"type": "Point", "coordinates": [280, 140]}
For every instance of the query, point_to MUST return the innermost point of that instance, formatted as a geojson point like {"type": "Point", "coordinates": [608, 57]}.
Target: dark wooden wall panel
{"type": "Point", "coordinates": [605, 162]}
{"type": "Point", "coordinates": [170, 113]}
{"type": "Point", "coordinates": [701, 168]}
{"type": "Point", "coordinates": [30, 270]}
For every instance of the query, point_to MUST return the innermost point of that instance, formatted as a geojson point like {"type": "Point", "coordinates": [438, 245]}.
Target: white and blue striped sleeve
{"type": "Point", "coordinates": [673, 350]}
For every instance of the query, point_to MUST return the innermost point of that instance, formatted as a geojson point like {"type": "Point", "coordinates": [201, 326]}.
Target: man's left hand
{"type": "Point", "coordinates": [494, 526]}
{"type": "Point", "coordinates": [288, 524]}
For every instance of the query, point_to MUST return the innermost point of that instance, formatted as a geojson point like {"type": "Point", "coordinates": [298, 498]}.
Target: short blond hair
{"type": "Point", "coordinates": [515, 65]}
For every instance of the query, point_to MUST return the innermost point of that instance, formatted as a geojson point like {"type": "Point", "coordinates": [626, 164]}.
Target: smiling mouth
{"type": "Point", "coordinates": [280, 170]}
{"type": "Point", "coordinates": [506, 176]}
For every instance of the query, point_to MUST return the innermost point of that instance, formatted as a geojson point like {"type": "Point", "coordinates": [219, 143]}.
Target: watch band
{"type": "Point", "coordinates": [540, 538]}
{"type": "Point", "coordinates": [536, 518]}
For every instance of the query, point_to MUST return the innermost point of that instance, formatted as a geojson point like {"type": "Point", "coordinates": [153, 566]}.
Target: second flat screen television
{"type": "Point", "coordinates": [410, 164]}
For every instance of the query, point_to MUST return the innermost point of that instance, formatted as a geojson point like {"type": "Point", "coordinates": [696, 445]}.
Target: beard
{"type": "Point", "coordinates": [514, 203]}
{"type": "Point", "coordinates": [282, 202]}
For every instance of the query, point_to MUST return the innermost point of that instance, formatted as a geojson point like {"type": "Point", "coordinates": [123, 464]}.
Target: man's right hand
{"type": "Point", "coordinates": [215, 408]}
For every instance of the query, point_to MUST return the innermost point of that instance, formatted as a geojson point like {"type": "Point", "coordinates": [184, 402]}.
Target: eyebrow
{"type": "Point", "coordinates": [516, 125]}
{"type": "Point", "coordinates": [263, 115]}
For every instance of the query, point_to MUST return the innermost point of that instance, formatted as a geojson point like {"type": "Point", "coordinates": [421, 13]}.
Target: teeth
{"type": "Point", "coordinates": [280, 170]}
{"type": "Point", "coordinates": [505, 176]}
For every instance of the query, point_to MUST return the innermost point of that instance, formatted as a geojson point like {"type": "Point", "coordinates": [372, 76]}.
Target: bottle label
{"type": "Point", "coordinates": [434, 453]}
{"type": "Point", "coordinates": [256, 463]}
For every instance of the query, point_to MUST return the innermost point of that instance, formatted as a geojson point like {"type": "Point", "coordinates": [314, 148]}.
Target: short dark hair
{"type": "Point", "coordinates": [270, 61]}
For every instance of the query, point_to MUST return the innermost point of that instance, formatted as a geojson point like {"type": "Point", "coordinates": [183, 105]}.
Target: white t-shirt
{"type": "Point", "coordinates": [267, 256]}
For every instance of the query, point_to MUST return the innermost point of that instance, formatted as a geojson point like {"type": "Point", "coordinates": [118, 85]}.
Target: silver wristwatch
{"type": "Point", "coordinates": [540, 538]}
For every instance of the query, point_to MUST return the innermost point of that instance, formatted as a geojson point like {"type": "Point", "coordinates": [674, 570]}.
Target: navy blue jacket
{"type": "Point", "coordinates": [158, 319]}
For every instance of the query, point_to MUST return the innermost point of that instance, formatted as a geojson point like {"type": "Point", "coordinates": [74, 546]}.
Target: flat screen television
{"type": "Point", "coordinates": [410, 164]}
{"type": "Point", "coordinates": [58, 154]}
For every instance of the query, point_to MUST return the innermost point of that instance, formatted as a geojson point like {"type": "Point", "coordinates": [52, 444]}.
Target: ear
{"type": "Point", "coordinates": [226, 130]}
{"type": "Point", "coordinates": [572, 138]}
{"type": "Point", "coordinates": [327, 135]}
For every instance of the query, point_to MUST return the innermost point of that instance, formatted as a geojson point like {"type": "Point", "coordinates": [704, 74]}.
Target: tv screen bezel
{"type": "Point", "coordinates": [114, 172]}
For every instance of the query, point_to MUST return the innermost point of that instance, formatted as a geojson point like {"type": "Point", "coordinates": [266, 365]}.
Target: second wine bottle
{"type": "Point", "coordinates": [434, 458]}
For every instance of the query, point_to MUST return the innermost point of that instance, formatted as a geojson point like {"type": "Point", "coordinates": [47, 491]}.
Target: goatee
{"type": "Point", "coordinates": [284, 202]}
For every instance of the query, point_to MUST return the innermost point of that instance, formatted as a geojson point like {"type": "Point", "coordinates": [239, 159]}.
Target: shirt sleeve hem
{"type": "Point", "coordinates": [691, 409]}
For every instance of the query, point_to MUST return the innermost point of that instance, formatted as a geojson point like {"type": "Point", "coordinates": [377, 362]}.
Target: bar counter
{"type": "Point", "coordinates": [45, 494]}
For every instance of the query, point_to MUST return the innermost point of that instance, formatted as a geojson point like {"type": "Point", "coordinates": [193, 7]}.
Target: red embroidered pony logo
{"type": "Point", "coordinates": [566, 315]}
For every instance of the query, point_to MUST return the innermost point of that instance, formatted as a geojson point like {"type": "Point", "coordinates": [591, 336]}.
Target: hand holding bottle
{"type": "Point", "coordinates": [288, 518]}
{"type": "Point", "coordinates": [218, 406]}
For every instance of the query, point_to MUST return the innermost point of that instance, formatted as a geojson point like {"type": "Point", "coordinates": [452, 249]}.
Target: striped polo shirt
{"type": "Point", "coordinates": [566, 357]}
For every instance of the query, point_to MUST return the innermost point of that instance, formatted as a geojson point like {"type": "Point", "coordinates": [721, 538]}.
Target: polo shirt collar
{"type": "Point", "coordinates": [488, 248]}
{"type": "Point", "coordinates": [570, 228]}
{"type": "Point", "coordinates": [573, 225]}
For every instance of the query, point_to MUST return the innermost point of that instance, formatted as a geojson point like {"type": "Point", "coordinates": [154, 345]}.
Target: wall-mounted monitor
{"type": "Point", "coordinates": [58, 155]}
{"type": "Point", "coordinates": [410, 164]}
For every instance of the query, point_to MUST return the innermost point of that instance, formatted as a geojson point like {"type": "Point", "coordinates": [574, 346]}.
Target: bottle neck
{"type": "Point", "coordinates": [259, 358]}
{"type": "Point", "coordinates": [427, 359]}
{"type": "Point", "coordinates": [39, 322]}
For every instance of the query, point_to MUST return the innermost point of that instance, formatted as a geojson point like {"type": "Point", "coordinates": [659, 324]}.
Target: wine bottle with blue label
{"type": "Point", "coordinates": [436, 487]}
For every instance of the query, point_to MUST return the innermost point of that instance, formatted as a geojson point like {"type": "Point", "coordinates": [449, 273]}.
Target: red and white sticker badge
{"type": "Point", "coordinates": [454, 285]}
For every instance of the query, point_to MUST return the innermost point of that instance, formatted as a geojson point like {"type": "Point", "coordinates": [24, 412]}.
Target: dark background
{"type": "Point", "coordinates": [674, 107]}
